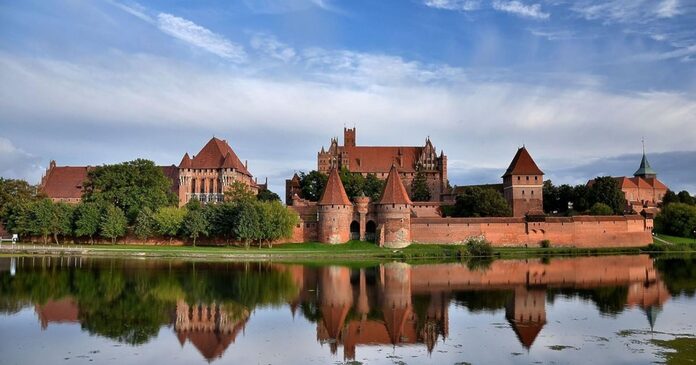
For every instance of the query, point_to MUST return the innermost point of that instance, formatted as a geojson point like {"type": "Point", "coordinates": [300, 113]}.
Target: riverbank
{"type": "Point", "coordinates": [353, 251]}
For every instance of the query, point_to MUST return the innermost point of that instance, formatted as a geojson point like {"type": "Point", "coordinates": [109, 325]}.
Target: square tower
{"type": "Point", "coordinates": [522, 185]}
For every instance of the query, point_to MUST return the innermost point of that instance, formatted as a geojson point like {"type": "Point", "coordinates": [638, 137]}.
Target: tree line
{"type": "Point", "coordinates": [678, 215]}
{"type": "Point", "coordinates": [135, 198]}
{"type": "Point", "coordinates": [602, 197]}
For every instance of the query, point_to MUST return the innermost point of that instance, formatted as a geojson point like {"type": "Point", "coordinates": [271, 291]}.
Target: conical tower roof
{"type": "Point", "coordinates": [334, 192]}
{"type": "Point", "coordinates": [644, 169]}
{"type": "Point", "coordinates": [523, 164]}
{"type": "Point", "coordinates": [394, 190]}
{"type": "Point", "coordinates": [185, 162]}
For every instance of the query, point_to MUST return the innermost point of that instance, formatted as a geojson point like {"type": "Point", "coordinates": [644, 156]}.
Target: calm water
{"type": "Point", "coordinates": [574, 310]}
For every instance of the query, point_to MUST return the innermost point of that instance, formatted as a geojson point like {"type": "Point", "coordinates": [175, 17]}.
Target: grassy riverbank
{"type": "Point", "coordinates": [351, 251]}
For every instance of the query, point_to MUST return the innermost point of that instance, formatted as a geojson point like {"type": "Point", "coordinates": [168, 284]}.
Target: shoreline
{"type": "Point", "coordinates": [303, 253]}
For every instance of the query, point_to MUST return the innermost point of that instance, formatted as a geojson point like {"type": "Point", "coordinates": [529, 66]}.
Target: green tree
{"type": "Point", "coordinates": [481, 202]}
{"type": "Point", "coordinates": [373, 187]}
{"type": "Point", "coordinates": [419, 187]}
{"type": "Point", "coordinates": [145, 224]}
{"type": "Point", "coordinates": [277, 222]}
{"type": "Point", "coordinates": [195, 223]}
{"type": "Point", "coordinates": [169, 221]}
{"type": "Point", "coordinates": [601, 209]}
{"type": "Point", "coordinates": [354, 183]}
{"type": "Point", "coordinates": [131, 186]}
{"type": "Point", "coordinates": [677, 219]}
{"type": "Point", "coordinates": [550, 197]}
{"type": "Point", "coordinates": [312, 184]}
{"type": "Point", "coordinates": [685, 197]}
{"type": "Point", "coordinates": [606, 190]}
{"type": "Point", "coordinates": [238, 191]}
{"type": "Point", "coordinates": [87, 220]}
{"type": "Point", "coordinates": [248, 224]}
{"type": "Point", "coordinates": [670, 197]}
{"type": "Point", "coordinates": [39, 219]}
{"type": "Point", "coordinates": [582, 198]}
{"type": "Point", "coordinates": [222, 219]}
{"type": "Point", "coordinates": [267, 195]}
{"type": "Point", "coordinates": [113, 223]}
{"type": "Point", "coordinates": [14, 193]}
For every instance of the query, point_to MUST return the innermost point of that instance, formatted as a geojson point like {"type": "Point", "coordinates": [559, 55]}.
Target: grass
{"type": "Point", "coordinates": [681, 350]}
{"type": "Point", "coordinates": [675, 239]}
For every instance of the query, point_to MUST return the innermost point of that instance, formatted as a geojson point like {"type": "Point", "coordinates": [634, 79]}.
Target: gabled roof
{"type": "Point", "coordinates": [334, 192]}
{"type": "Point", "coordinates": [523, 164]}
{"type": "Point", "coordinates": [655, 183]}
{"type": "Point", "coordinates": [641, 183]}
{"type": "Point", "coordinates": [65, 181]}
{"type": "Point", "coordinates": [376, 159]}
{"type": "Point", "coordinates": [526, 332]}
{"type": "Point", "coordinates": [394, 190]}
{"type": "Point", "coordinates": [214, 154]}
{"type": "Point", "coordinates": [625, 182]}
{"type": "Point", "coordinates": [644, 168]}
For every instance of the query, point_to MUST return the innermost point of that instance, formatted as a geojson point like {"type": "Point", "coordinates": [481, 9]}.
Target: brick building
{"type": "Point", "coordinates": [205, 176]}
{"type": "Point", "coordinates": [643, 191]}
{"type": "Point", "coordinates": [522, 185]}
{"type": "Point", "coordinates": [378, 160]}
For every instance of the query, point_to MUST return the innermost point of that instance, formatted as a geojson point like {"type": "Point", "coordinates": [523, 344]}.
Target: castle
{"type": "Point", "coordinates": [395, 221]}
{"type": "Point", "coordinates": [205, 177]}
{"type": "Point", "coordinates": [378, 160]}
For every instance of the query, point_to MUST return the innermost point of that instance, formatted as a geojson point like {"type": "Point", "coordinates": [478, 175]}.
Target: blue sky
{"type": "Point", "coordinates": [578, 82]}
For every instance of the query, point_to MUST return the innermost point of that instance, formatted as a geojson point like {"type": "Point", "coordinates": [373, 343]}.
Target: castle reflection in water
{"type": "Point", "coordinates": [401, 304]}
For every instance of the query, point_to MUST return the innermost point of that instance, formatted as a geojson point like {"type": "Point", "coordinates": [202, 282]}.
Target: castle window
{"type": "Point", "coordinates": [527, 178]}
{"type": "Point", "coordinates": [522, 192]}
{"type": "Point", "coordinates": [518, 178]}
{"type": "Point", "coordinates": [532, 192]}
{"type": "Point", "coordinates": [536, 178]}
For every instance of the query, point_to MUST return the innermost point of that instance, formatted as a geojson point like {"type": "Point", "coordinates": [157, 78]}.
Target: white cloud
{"type": "Point", "coordinates": [461, 5]}
{"type": "Point", "coordinates": [16, 163]}
{"type": "Point", "coordinates": [200, 37]}
{"type": "Point", "coordinates": [626, 11]}
{"type": "Point", "coordinates": [271, 46]}
{"type": "Point", "coordinates": [515, 7]}
{"type": "Point", "coordinates": [668, 9]}
{"type": "Point", "coordinates": [554, 35]}
{"type": "Point", "coordinates": [135, 9]}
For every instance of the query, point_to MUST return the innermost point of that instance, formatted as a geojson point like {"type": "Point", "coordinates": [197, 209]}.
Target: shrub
{"type": "Point", "coordinates": [479, 247]}
{"type": "Point", "coordinates": [676, 219]}
{"type": "Point", "coordinates": [601, 209]}
{"type": "Point", "coordinates": [545, 243]}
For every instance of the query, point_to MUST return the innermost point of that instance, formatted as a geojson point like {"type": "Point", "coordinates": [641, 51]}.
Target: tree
{"type": "Point", "coordinates": [677, 219]}
{"type": "Point", "coordinates": [169, 221]}
{"type": "Point", "coordinates": [13, 193]}
{"type": "Point", "coordinates": [312, 184]}
{"type": "Point", "coordinates": [87, 220]}
{"type": "Point", "coordinates": [419, 187]}
{"type": "Point", "coordinates": [686, 198]}
{"type": "Point", "coordinates": [145, 224]}
{"type": "Point", "coordinates": [373, 187]}
{"type": "Point", "coordinates": [481, 202]}
{"type": "Point", "coordinates": [113, 223]}
{"type": "Point", "coordinates": [238, 191]}
{"type": "Point", "coordinates": [606, 190]}
{"type": "Point", "coordinates": [222, 219]}
{"type": "Point", "coordinates": [131, 186]}
{"type": "Point", "coordinates": [601, 209]}
{"type": "Point", "coordinates": [354, 183]}
{"type": "Point", "coordinates": [550, 197]}
{"type": "Point", "coordinates": [583, 200]}
{"type": "Point", "coordinates": [248, 223]}
{"type": "Point", "coordinates": [195, 223]}
{"type": "Point", "coordinates": [39, 218]}
{"type": "Point", "coordinates": [267, 195]}
{"type": "Point", "coordinates": [670, 197]}
{"type": "Point", "coordinates": [277, 221]}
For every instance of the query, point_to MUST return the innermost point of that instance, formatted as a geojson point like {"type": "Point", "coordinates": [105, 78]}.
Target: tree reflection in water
{"type": "Point", "coordinates": [210, 304]}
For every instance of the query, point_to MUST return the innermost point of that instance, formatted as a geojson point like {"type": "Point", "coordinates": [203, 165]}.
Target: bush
{"type": "Point", "coordinates": [479, 247]}
{"type": "Point", "coordinates": [601, 209]}
{"type": "Point", "coordinates": [676, 219]}
{"type": "Point", "coordinates": [545, 243]}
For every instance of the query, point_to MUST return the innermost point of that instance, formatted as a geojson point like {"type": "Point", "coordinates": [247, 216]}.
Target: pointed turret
{"type": "Point", "coordinates": [334, 192]}
{"type": "Point", "coordinates": [523, 164]}
{"type": "Point", "coordinates": [394, 190]}
{"type": "Point", "coordinates": [185, 162]}
{"type": "Point", "coordinates": [645, 170]}
{"type": "Point", "coordinates": [523, 185]}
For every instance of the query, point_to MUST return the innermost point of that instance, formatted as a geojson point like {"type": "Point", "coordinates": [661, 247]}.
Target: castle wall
{"type": "Point", "coordinates": [334, 223]}
{"type": "Point", "coordinates": [582, 231]}
{"type": "Point", "coordinates": [394, 225]}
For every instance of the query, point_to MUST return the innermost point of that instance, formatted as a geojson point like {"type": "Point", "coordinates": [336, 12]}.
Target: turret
{"type": "Point", "coordinates": [522, 185]}
{"type": "Point", "coordinates": [394, 213]}
{"type": "Point", "coordinates": [645, 171]}
{"type": "Point", "coordinates": [335, 211]}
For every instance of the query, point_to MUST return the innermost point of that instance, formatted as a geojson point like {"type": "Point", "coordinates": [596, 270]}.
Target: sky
{"type": "Point", "coordinates": [579, 83]}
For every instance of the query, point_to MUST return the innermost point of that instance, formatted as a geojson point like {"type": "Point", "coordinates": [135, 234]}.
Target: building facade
{"type": "Point", "coordinates": [522, 185]}
{"type": "Point", "coordinates": [205, 176]}
{"type": "Point", "coordinates": [378, 160]}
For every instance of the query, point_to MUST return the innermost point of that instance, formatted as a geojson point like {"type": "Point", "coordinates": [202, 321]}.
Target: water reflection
{"type": "Point", "coordinates": [209, 305]}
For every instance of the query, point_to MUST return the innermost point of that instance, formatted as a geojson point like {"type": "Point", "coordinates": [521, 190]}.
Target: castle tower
{"type": "Point", "coordinates": [349, 137]}
{"type": "Point", "coordinates": [335, 211]}
{"type": "Point", "coordinates": [362, 204]}
{"type": "Point", "coordinates": [396, 299]}
{"type": "Point", "coordinates": [526, 312]}
{"type": "Point", "coordinates": [522, 185]}
{"type": "Point", "coordinates": [394, 213]}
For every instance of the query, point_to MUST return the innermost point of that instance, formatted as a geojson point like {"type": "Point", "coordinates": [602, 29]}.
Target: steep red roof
{"type": "Point", "coordinates": [334, 192]}
{"type": "Point", "coordinates": [625, 183]}
{"type": "Point", "coordinates": [64, 181]}
{"type": "Point", "coordinates": [374, 159]}
{"type": "Point", "coordinates": [527, 332]}
{"type": "Point", "coordinates": [213, 155]}
{"type": "Point", "coordinates": [523, 164]}
{"type": "Point", "coordinates": [655, 183]}
{"type": "Point", "coordinates": [641, 183]}
{"type": "Point", "coordinates": [185, 162]}
{"type": "Point", "coordinates": [394, 190]}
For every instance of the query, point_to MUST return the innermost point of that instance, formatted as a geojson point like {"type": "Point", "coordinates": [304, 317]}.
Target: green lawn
{"type": "Point", "coordinates": [676, 240]}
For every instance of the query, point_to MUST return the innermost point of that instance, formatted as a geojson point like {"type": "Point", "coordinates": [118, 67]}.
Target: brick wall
{"type": "Point", "coordinates": [582, 231]}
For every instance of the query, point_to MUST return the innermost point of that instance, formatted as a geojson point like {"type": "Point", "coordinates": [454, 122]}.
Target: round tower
{"type": "Point", "coordinates": [394, 213]}
{"type": "Point", "coordinates": [335, 211]}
